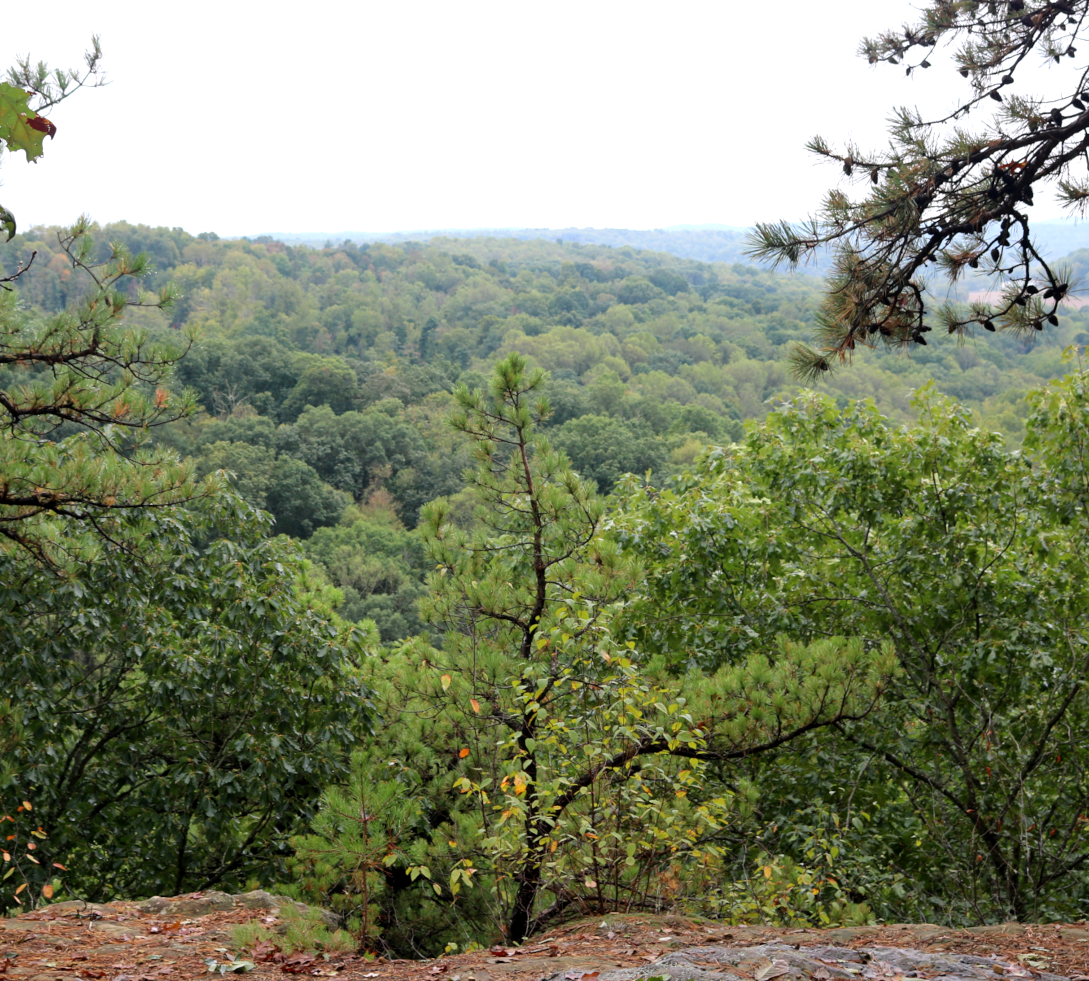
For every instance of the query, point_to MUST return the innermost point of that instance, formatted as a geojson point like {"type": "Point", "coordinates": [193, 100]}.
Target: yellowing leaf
{"type": "Point", "coordinates": [20, 127]}
{"type": "Point", "coordinates": [19, 889]}
{"type": "Point", "coordinates": [475, 704]}
{"type": "Point", "coordinates": [7, 856]}
{"type": "Point", "coordinates": [445, 682]}
{"type": "Point", "coordinates": [47, 891]}
{"type": "Point", "coordinates": [27, 803]}
{"type": "Point", "coordinates": [463, 752]}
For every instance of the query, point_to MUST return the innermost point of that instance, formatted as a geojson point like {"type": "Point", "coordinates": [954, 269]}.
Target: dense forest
{"type": "Point", "coordinates": [324, 375]}
{"type": "Point", "coordinates": [536, 555]}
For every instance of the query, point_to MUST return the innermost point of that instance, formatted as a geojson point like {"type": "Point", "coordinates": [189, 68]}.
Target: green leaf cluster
{"type": "Point", "coordinates": [969, 560]}
{"type": "Point", "coordinates": [180, 709]}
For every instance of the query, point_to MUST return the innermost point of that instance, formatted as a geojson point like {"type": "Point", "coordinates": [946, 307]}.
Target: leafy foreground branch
{"type": "Point", "coordinates": [554, 768]}
{"type": "Point", "coordinates": [173, 717]}
{"type": "Point", "coordinates": [949, 199]}
{"type": "Point", "coordinates": [971, 561]}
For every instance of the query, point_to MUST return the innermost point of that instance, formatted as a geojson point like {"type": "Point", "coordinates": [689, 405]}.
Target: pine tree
{"type": "Point", "coordinates": [79, 391]}
{"type": "Point", "coordinates": [947, 198]}
{"type": "Point", "coordinates": [572, 738]}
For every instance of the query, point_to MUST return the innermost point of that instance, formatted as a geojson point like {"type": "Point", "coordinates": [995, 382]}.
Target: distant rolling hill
{"type": "Point", "coordinates": [705, 243]}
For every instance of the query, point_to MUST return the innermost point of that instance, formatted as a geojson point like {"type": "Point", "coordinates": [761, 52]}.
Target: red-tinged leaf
{"type": "Point", "coordinates": [42, 125]}
{"type": "Point", "coordinates": [475, 704]}
{"type": "Point", "coordinates": [31, 846]}
{"type": "Point", "coordinates": [264, 951]}
{"type": "Point", "coordinates": [57, 865]}
{"type": "Point", "coordinates": [33, 859]}
{"type": "Point", "coordinates": [7, 856]}
{"type": "Point", "coordinates": [463, 752]}
{"type": "Point", "coordinates": [47, 891]}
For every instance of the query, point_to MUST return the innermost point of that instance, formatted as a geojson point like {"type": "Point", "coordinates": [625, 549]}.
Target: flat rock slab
{"type": "Point", "coordinates": [766, 962]}
{"type": "Point", "coordinates": [198, 904]}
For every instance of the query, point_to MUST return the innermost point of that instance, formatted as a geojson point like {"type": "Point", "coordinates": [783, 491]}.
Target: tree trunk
{"type": "Point", "coordinates": [529, 885]}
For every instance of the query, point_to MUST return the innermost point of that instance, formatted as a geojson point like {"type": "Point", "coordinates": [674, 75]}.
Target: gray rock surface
{"type": "Point", "coordinates": [201, 904]}
{"type": "Point", "coordinates": [258, 899]}
{"type": "Point", "coordinates": [195, 904]}
{"type": "Point", "coordinates": [771, 961]}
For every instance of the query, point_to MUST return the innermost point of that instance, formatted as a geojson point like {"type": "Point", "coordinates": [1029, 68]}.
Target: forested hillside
{"type": "Point", "coordinates": [706, 243]}
{"type": "Point", "coordinates": [323, 375]}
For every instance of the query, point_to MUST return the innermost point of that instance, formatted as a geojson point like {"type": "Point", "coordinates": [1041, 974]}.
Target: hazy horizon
{"type": "Point", "coordinates": [483, 115]}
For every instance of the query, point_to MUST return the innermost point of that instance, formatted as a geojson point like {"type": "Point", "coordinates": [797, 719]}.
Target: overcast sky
{"type": "Point", "coordinates": [241, 118]}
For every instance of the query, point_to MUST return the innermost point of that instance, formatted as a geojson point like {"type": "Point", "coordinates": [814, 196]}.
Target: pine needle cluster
{"type": "Point", "coordinates": [947, 198]}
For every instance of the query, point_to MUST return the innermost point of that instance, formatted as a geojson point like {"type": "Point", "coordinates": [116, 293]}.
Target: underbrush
{"type": "Point", "coordinates": [306, 932]}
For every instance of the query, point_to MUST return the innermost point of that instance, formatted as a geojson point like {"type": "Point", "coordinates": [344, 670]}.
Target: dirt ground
{"type": "Point", "coordinates": [119, 943]}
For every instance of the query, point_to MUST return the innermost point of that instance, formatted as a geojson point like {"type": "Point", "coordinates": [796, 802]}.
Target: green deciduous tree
{"type": "Point", "coordinates": [947, 198]}
{"type": "Point", "coordinates": [177, 713]}
{"type": "Point", "coordinates": [602, 448]}
{"type": "Point", "coordinates": [971, 561]}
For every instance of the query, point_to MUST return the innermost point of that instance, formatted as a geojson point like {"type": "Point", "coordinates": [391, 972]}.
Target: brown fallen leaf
{"type": "Point", "coordinates": [298, 964]}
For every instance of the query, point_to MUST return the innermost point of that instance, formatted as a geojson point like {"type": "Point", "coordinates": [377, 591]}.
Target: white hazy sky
{"type": "Point", "coordinates": [329, 116]}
